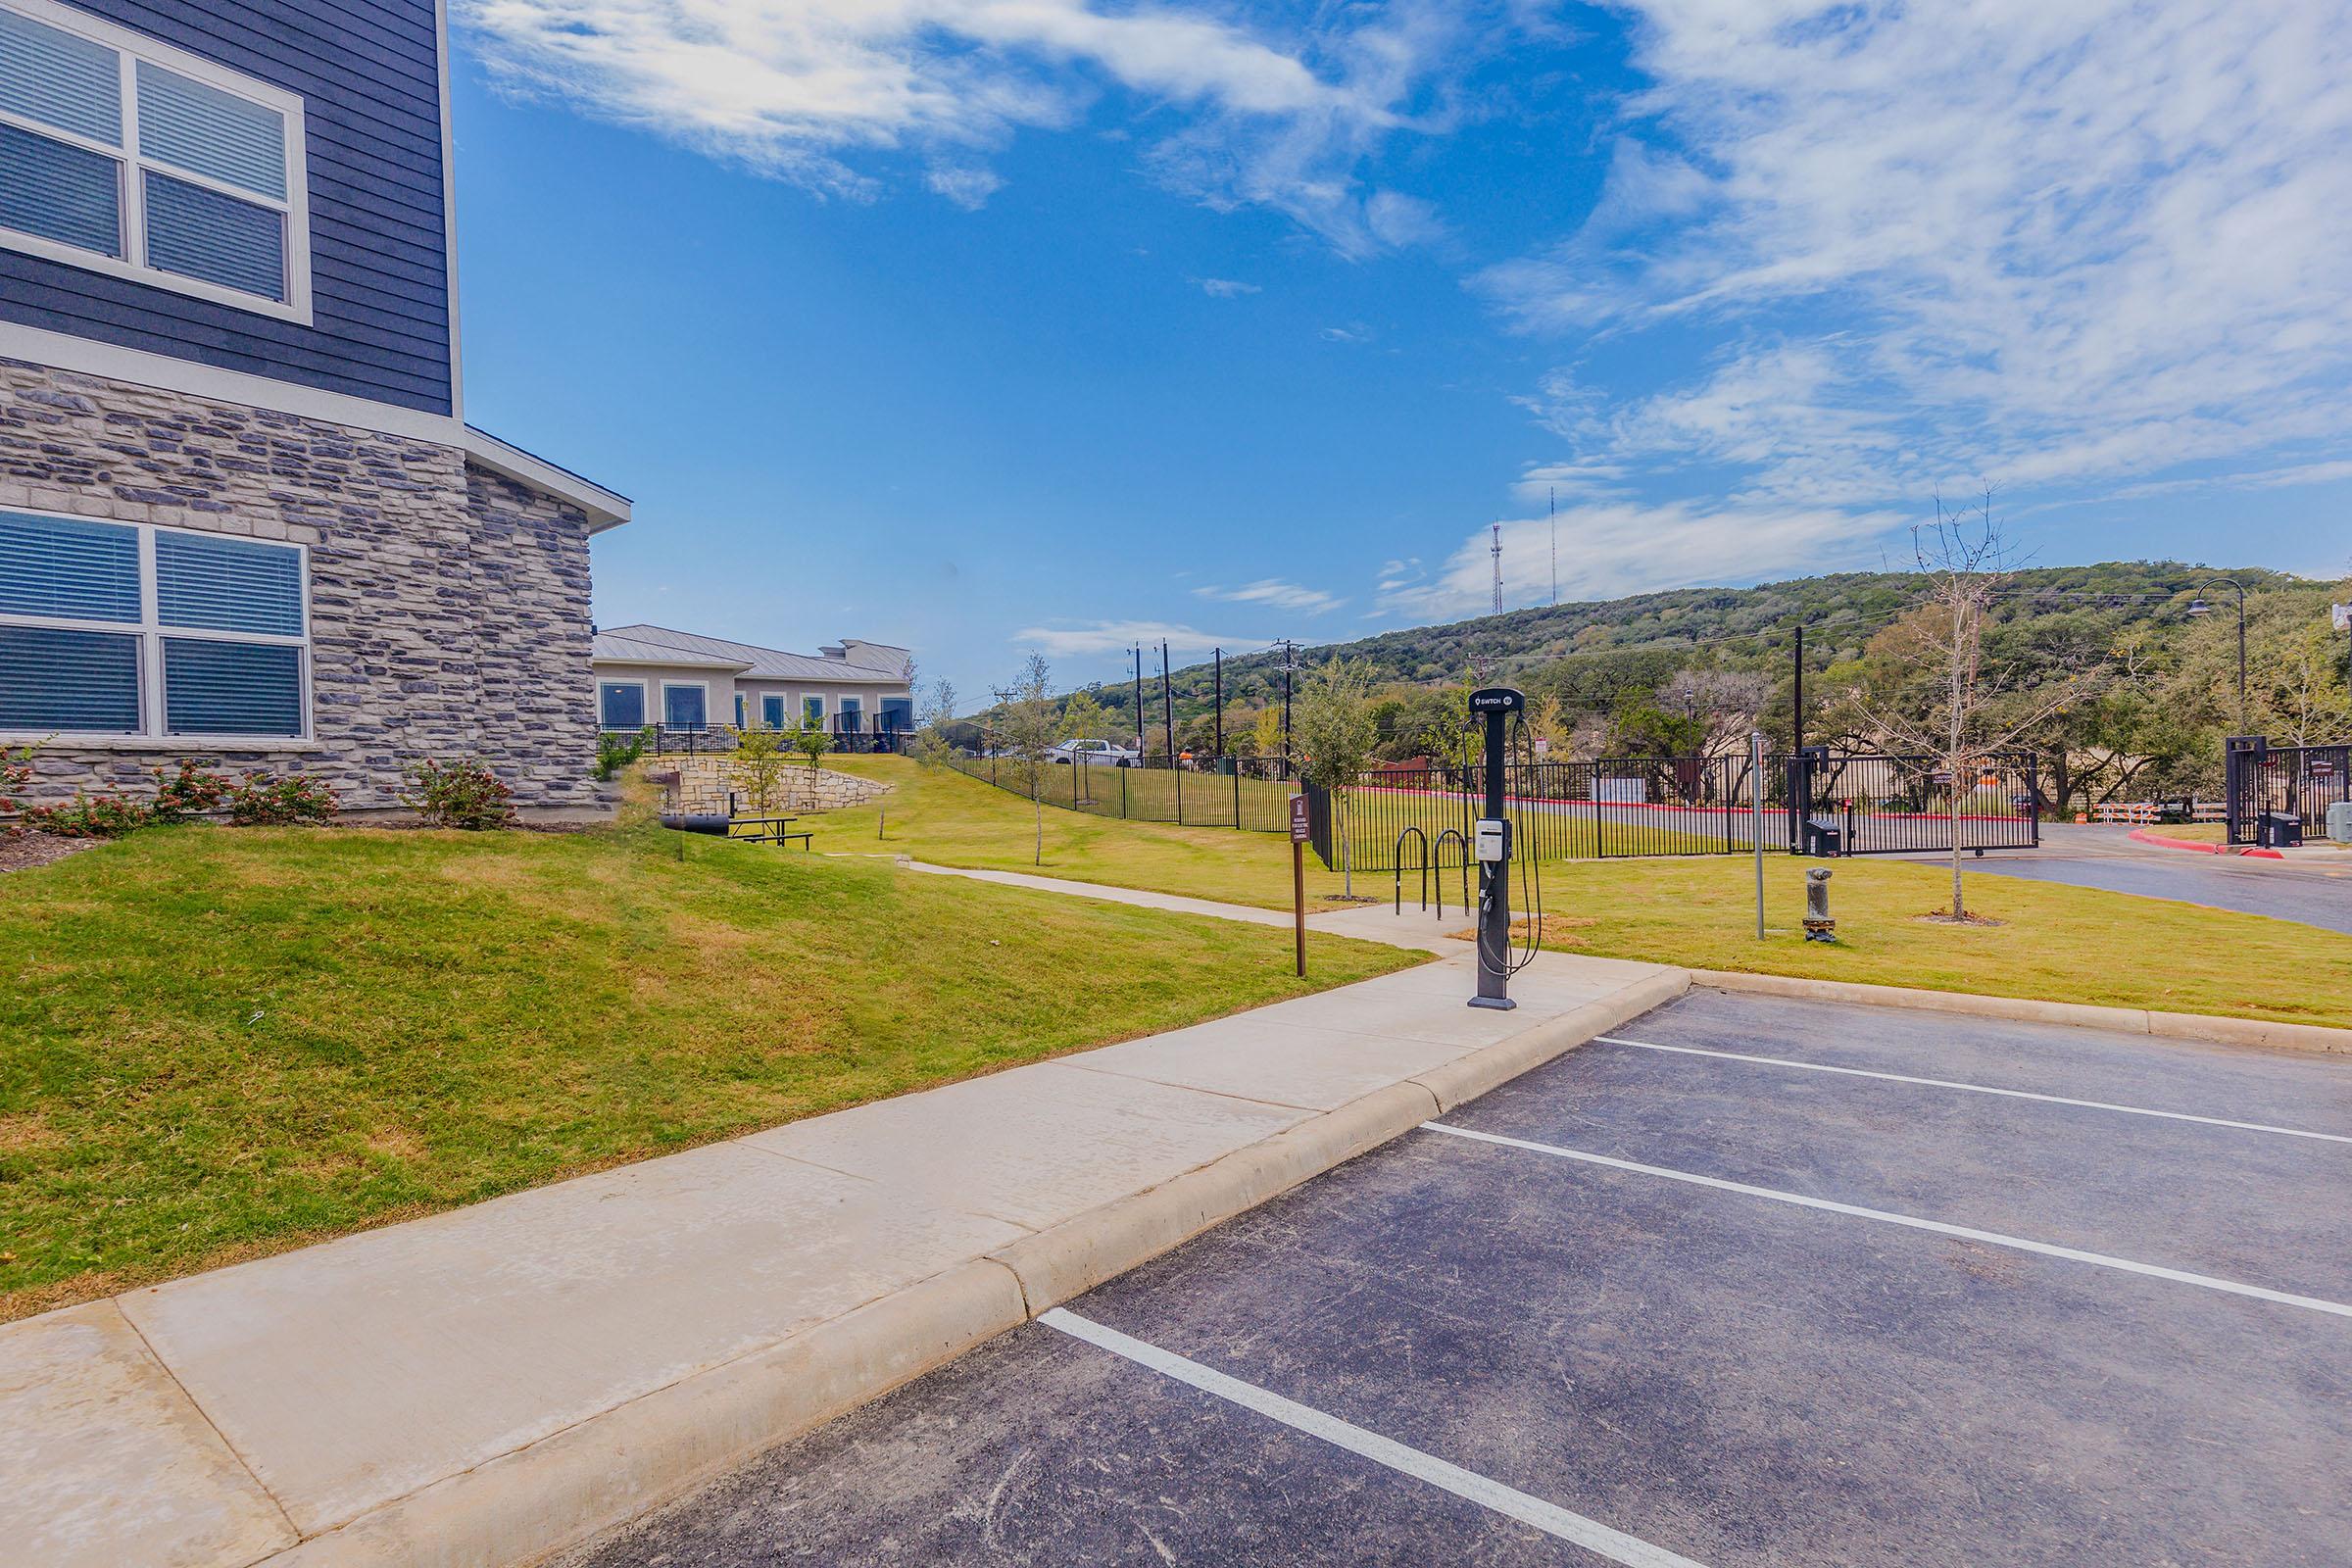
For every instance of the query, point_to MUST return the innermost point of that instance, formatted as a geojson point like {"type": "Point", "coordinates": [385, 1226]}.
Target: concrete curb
{"type": "Point", "coordinates": [2128, 1021]}
{"type": "Point", "coordinates": [566, 1489]}
{"type": "Point", "coordinates": [581, 1482]}
{"type": "Point", "coordinates": [2159, 841]}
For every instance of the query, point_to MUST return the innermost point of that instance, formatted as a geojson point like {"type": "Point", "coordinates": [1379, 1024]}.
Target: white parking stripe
{"type": "Point", "coordinates": [1966, 1233]}
{"type": "Point", "coordinates": [1978, 1089]}
{"type": "Point", "coordinates": [1592, 1534]}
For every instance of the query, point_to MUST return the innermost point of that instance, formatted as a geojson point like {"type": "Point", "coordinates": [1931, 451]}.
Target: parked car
{"type": "Point", "coordinates": [1098, 753]}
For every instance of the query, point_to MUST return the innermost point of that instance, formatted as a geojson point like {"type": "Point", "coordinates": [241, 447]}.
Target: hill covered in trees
{"type": "Point", "coordinates": [1696, 668]}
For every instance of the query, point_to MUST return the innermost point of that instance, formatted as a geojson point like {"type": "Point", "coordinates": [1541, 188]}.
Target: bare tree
{"type": "Point", "coordinates": [1726, 704]}
{"type": "Point", "coordinates": [1955, 709]}
{"type": "Point", "coordinates": [1027, 727]}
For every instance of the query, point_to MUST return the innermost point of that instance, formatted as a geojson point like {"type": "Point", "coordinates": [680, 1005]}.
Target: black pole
{"type": "Point", "coordinates": [2241, 655]}
{"type": "Point", "coordinates": [1167, 703]}
{"type": "Point", "coordinates": [1289, 658]}
{"type": "Point", "coordinates": [1798, 720]}
{"type": "Point", "coordinates": [1139, 703]}
{"type": "Point", "coordinates": [1220, 692]}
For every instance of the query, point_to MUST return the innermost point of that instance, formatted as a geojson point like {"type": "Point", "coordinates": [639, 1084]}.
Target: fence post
{"type": "Point", "coordinates": [1755, 817]}
{"type": "Point", "coordinates": [1237, 795]}
{"type": "Point", "coordinates": [1123, 773]}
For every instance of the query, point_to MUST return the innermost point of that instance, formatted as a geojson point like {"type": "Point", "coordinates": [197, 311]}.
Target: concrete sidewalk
{"type": "Point", "coordinates": [486, 1385]}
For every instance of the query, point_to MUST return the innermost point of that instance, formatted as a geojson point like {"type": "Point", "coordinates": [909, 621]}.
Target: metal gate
{"type": "Point", "coordinates": [1868, 803]}
{"type": "Point", "coordinates": [2269, 785]}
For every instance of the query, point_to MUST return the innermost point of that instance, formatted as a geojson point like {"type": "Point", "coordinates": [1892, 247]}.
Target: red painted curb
{"type": "Point", "coordinates": [2143, 836]}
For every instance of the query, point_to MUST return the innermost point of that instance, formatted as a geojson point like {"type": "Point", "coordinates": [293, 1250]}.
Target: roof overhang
{"type": "Point", "coordinates": [606, 509]}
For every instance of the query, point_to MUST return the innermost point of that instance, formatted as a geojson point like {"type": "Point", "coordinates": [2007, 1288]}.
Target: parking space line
{"type": "Point", "coordinates": [1553, 1520]}
{"type": "Point", "coordinates": [1965, 1233]}
{"type": "Point", "coordinates": [1977, 1089]}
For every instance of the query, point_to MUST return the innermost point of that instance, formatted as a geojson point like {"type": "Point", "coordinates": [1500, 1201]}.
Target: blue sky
{"type": "Point", "coordinates": [990, 324]}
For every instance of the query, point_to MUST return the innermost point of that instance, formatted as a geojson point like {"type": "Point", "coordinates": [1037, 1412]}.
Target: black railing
{"type": "Point", "coordinates": [2280, 793]}
{"type": "Point", "coordinates": [1870, 804]}
{"type": "Point", "coordinates": [1245, 791]}
{"type": "Point", "coordinates": [1621, 808]}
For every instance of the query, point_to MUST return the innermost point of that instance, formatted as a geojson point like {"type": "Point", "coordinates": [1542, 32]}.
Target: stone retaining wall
{"type": "Point", "coordinates": [704, 782]}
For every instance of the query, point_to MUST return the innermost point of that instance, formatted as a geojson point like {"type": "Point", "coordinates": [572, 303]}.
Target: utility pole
{"type": "Point", "coordinates": [1498, 553]}
{"type": "Point", "coordinates": [1556, 546]}
{"type": "Point", "coordinates": [1290, 662]}
{"type": "Point", "coordinates": [1220, 656]}
{"type": "Point", "coordinates": [1167, 703]}
{"type": "Point", "coordinates": [1799, 703]}
{"type": "Point", "coordinates": [1140, 731]}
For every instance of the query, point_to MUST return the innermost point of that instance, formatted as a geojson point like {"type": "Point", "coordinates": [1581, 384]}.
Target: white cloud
{"type": "Point", "coordinates": [968, 188]}
{"type": "Point", "coordinates": [1609, 548]}
{"type": "Point", "coordinates": [1352, 332]}
{"type": "Point", "coordinates": [1276, 594]}
{"type": "Point", "coordinates": [1224, 288]}
{"type": "Point", "coordinates": [1082, 638]}
{"type": "Point", "coordinates": [818, 91]}
{"type": "Point", "coordinates": [2054, 244]}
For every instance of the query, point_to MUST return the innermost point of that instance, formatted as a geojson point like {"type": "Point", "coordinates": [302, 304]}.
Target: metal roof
{"type": "Point", "coordinates": [659, 645]}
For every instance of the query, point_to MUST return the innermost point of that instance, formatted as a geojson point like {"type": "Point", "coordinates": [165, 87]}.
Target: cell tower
{"type": "Point", "coordinates": [1497, 554]}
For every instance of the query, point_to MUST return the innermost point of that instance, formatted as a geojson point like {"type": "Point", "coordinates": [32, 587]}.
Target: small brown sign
{"type": "Point", "coordinates": [1298, 828]}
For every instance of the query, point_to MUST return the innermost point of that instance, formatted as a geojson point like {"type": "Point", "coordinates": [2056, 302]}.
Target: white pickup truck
{"type": "Point", "coordinates": [1099, 754]}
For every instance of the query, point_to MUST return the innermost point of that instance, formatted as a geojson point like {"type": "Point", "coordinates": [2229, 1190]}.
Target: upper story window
{"type": "Point", "coordinates": [124, 155]}
{"type": "Point", "coordinates": [120, 630]}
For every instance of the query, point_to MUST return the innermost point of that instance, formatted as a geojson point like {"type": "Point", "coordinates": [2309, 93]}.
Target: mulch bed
{"type": "Point", "coordinates": [39, 849]}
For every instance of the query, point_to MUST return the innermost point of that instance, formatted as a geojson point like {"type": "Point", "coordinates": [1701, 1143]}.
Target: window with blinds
{"type": "Point", "coordinates": [119, 153]}
{"type": "Point", "coordinates": [122, 629]}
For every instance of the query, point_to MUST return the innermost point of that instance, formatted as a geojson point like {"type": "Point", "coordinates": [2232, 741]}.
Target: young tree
{"type": "Point", "coordinates": [931, 746]}
{"type": "Point", "coordinates": [759, 764]}
{"type": "Point", "coordinates": [812, 741]}
{"type": "Point", "coordinates": [1026, 730]}
{"type": "Point", "coordinates": [1083, 718]}
{"type": "Point", "coordinates": [1265, 731]}
{"type": "Point", "coordinates": [1333, 732]}
{"type": "Point", "coordinates": [1956, 707]}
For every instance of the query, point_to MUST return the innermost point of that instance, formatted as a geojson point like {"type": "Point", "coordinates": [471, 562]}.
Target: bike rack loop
{"type": "Point", "coordinates": [1397, 863]}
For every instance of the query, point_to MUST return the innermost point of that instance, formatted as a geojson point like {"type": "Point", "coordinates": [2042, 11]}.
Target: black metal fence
{"type": "Point", "coordinates": [1819, 803]}
{"type": "Point", "coordinates": [2280, 793]}
{"type": "Point", "coordinates": [1850, 803]}
{"type": "Point", "coordinates": [1252, 794]}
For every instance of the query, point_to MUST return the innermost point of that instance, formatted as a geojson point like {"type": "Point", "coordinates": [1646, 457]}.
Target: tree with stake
{"type": "Point", "coordinates": [1333, 732]}
{"type": "Point", "coordinates": [812, 743]}
{"type": "Point", "coordinates": [1027, 728]}
{"type": "Point", "coordinates": [1954, 707]}
{"type": "Point", "coordinates": [931, 746]}
{"type": "Point", "coordinates": [759, 764]}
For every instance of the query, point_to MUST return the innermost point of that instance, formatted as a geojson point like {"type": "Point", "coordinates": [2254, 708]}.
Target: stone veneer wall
{"type": "Point", "coordinates": [449, 605]}
{"type": "Point", "coordinates": [701, 784]}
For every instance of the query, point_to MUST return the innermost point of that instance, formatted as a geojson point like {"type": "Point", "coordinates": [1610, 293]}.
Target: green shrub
{"type": "Point", "coordinates": [462, 794]}
{"type": "Point", "coordinates": [614, 751]}
{"type": "Point", "coordinates": [261, 801]}
{"type": "Point", "coordinates": [189, 792]}
{"type": "Point", "coordinates": [85, 816]}
{"type": "Point", "coordinates": [15, 774]}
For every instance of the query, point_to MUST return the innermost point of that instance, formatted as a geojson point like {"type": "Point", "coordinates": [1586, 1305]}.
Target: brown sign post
{"type": "Point", "coordinates": [1298, 837]}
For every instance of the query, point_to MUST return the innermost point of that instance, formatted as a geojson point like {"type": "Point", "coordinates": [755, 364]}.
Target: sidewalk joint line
{"type": "Point", "coordinates": [1488, 1493]}
{"type": "Point", "coordinates": [197, 1405]}
{"type": "Point", "coordinates": [1975, 1089]}
{"type": "Point", "coordinates": [1828, 1206]}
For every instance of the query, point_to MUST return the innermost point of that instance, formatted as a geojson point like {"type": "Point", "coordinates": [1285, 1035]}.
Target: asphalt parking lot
{"type": "Point", "coordinates": [2315, 891]}
{"type": "Point", "coordinates": [2077, 1298]}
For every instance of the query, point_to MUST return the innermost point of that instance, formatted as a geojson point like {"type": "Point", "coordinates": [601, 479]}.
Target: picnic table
{"type": "Point", "coordinates": [768, 830]}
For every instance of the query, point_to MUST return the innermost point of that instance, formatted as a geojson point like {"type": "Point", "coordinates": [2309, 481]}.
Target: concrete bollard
{"type": "Point", "coordinates": [1819, 926]}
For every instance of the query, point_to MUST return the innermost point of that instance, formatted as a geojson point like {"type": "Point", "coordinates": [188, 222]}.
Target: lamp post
{"type": "Point", "coordinates": [2198, 607]}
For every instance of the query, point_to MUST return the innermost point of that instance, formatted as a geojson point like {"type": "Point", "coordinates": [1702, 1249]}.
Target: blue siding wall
{"type": "Point", "coordinates": [369, 72]}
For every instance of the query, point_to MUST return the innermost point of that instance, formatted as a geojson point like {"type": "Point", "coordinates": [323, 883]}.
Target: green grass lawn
{"type": "Point", "coordinates": [2059, 942]}
{"type": "Point", "coordinates": [2055, 942]}
{"type": "Point", "coordinates": [217, 1043]}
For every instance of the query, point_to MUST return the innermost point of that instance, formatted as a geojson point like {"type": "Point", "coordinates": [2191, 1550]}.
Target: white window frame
{"type": "Point", "coordinates": [130, 47]}
{"type": "Point", "coordinates": [702, 685]}
{"type": "Point", "coordinates": [150, 631]}
{"type": "Point", "coordinates": [783, 709]}
{"type": "Point", "coordinates": [824, 716]}
{"type": "Point", "coordinates": [644, 700]}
